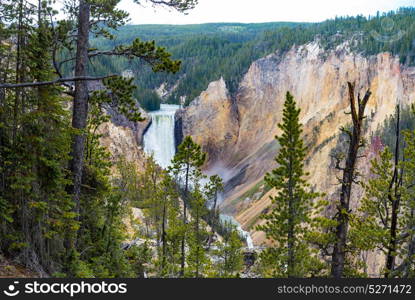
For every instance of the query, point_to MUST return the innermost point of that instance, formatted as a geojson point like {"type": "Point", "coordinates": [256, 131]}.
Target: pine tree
{"type": "Point", "coordinates": [285, 225]}
{"type": "Point", "coordinates": [381, 208]}
{"type": "Point", "coordinates": [97, 17]}
{"type": "Point", "coordinates": [185, 168]}
{"type": "Point", "coordinates": [197, 260]}
{"type": "Point", "coordinates": [170, 225]}
{"type": "Point", "coordinates": [213, 188]}
{"type": "Point", "coordinates": [406, 268]}
{"type": "Point", "coordinates": [385, 219]}
{"type": "Point", "coordinates": [230, 255]}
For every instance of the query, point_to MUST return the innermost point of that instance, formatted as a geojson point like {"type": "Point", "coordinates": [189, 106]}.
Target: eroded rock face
{"type": "Point", "coordinates": [138, 128]}
{"type": "Point", "coordinates": [123, 138]}
{"type": "Point", "coordinates": [211, 119]}
{"type": "Point", "coordinates": [318, 80]}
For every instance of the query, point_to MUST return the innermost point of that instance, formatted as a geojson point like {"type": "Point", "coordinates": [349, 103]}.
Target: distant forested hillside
{"type": "Point", "coordinates": [209, 51]}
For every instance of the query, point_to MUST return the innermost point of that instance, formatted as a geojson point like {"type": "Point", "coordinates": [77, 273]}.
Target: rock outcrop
{"type": "Point", "coordinates": [317, 78]}
{"type": "Point", "coordinates": [211, 119]}
{"type": "Point", "coordinates": [123, 138]}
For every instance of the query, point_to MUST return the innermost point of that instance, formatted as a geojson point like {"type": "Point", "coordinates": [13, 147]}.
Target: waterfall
{"type": "Point", "coordinates": [243, 233]}
{"type": "Point", "coordinates": [159, 138]}
{"type": "Point", "coordinates": [159, 141]}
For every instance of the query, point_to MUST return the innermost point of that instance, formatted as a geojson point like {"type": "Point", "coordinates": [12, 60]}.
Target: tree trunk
{"type": "Point", "coordinates": [290, 235]}
{"type": "Point", "coordinates": [395, 201]}
{"type": "Point", "coordinates": [213, 219]}
{"type": "Point", "coordinates": [339, 250]}
{"type": "Point", "coordinates": [197, 241]}
{"type": "Point", "coordinates": [163, 235]}
{"type": "Point", "coordinates": [18, 70]}
{"type": "Point", "coordinates": [186, 191]}
{"type": "Point", "coordinates": [80, 103]}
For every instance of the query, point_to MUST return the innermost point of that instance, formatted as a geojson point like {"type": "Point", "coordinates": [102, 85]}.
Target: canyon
{"type": "Point", "coordinates": [237, 131]}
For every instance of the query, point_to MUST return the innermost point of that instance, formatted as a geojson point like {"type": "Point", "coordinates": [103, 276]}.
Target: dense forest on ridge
{"type": "Point", "coordinates": [209, 51]}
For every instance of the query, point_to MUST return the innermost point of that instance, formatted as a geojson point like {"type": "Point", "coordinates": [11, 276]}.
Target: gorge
{"type": "Point", "coordinates": [238, 132]}
{"type": "Point", "coordinates": [93, 109]}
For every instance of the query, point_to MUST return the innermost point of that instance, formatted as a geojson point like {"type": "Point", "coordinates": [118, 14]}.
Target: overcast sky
{"type": "Point", "coordinates": [256, 11]}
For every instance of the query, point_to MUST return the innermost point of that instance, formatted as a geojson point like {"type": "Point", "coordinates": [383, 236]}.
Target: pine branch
{"type": "Point", "coordinates": [59, 80]}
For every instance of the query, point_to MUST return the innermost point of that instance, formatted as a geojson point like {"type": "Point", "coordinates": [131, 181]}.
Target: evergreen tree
{"type": "Point", "coordinates": [406, 268]}
{"type": "Point", "coordinates": [383, 201]}
{"type": "Point", "coordinates": [372, 229]}
{"type": "Point", "coordinates": [34, 147]}
{"type": "Point", "coordinates": [214, 188]}
{"type": "Point", "coordinates": [285, 225]}
{"type": "Point", "coordinates": [230, 255]}
{"type": "Point", "coordinates": [197, 260]}
{"type": "Point", "coordinates": [185, 168]}
{"type": "Point", "coordinates": [56, 222]}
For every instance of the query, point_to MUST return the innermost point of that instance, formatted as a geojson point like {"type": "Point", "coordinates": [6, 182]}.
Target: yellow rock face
{"type": "Point", "coordinates": [122, 138]}
{"type": "Point", "coordinates": [318, 81]}
{"type": "Point", "coordinates": [212, 121]}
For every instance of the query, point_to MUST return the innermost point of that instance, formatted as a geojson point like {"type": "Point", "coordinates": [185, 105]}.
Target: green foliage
{"type": "Point", "coordinates": [230, 255]}
{"type": "Point", "coordinates": [211, 51]}
{"type": "Point", "coordinates": [197, 260]}
{"type": "Point", "coordinates": [387, 131]}
{"type": "Point", "coordinates": [407, 267]}
{"type": "Point", "coordinates": [370, 229]}
{"type": "Point", "coordinates": [187, 162]}
{"type": "Point", "coordinates": [212, 190]}
{"type": "Point", "coordinates": [34, 147]}
{"type": "Point", "coordinates": [286, 224]}
{"type": "Point", "coordinates": [148, 99]}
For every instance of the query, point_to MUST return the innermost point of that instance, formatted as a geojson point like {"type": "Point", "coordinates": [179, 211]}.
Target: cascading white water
{"type": "Point", "coordinates": [159, 141]}
{"type": "Point", "coordinates": [159, 138]}
{"type": "Point", "coordinates": [243, 233]}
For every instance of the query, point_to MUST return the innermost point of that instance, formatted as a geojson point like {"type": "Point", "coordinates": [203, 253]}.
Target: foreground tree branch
{"type": "Point", "coordinates": [57, 81]}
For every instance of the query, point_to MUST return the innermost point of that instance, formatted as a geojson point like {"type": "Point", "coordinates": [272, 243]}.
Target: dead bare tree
{"type": "Point", "coordinates": [349, 177]}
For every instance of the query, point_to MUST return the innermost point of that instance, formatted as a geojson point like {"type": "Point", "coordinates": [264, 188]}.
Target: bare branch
{"type": "Point", "coordinates": [59, 80]}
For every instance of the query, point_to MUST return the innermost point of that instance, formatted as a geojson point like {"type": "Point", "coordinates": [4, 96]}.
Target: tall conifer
{"type": "Point", "coordinates": [291, 205]}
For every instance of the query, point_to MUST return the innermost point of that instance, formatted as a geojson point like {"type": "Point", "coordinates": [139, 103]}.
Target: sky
{"type": "Point", "coordinates": [257, 11]}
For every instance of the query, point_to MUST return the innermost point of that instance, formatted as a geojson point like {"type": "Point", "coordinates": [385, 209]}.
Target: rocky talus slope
{"type": "Point", "coordinates": [239, 133]}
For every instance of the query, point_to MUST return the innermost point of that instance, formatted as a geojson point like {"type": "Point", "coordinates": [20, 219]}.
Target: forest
{"type": "Point", "coordinates": [211, 51]}
{"type": "Point", "coordinates": [66, 208]}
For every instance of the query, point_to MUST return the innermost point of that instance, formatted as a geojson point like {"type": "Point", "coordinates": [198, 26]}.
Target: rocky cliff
{"type": "Point", "coordinates": [212, 120]}
{"type": "Point", "coordinates": [239, 133]}
{"type": "Point", "coordinates": [123, 138]}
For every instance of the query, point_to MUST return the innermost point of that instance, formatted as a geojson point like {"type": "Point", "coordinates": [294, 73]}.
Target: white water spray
{"type": "Point", "coordinates": [159, 138]}
{"type": "Point", "coordinates": [159, 141]}
{"type": "Point", "coordinates": [243, 233]}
